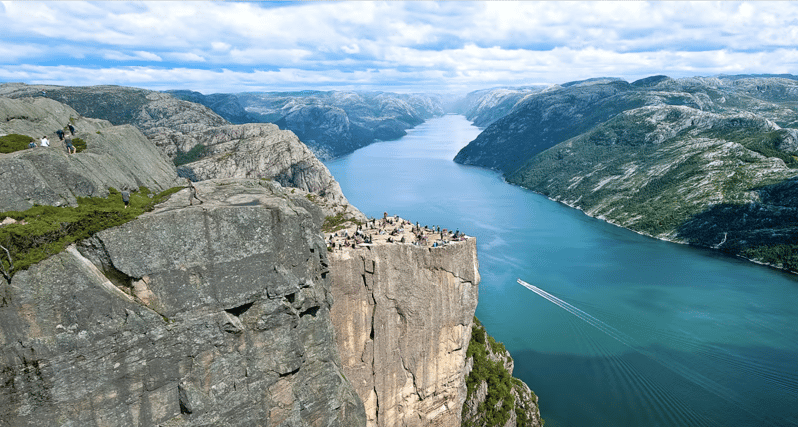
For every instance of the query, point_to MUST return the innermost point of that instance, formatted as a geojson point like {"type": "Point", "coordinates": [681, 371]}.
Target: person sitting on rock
{"type": "Point", "coordinates": [32, 144]}
{"type": "Point", "coordinates": [71, 128]}
{"type": "Point", "coordinates": [45, 142]}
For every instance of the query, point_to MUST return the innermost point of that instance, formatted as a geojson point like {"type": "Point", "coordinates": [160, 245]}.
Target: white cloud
{"type": "Point", "coordinates": [443, 44]}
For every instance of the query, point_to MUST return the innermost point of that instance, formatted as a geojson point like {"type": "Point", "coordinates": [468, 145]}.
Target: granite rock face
{"type": "Point", "coordinates": [116, 156]}
{"type": "Point", "coordinates": [403, 317]}
{"type": "Point", "coordinates": [261, 151]}
{"type": "Point", "coordinates": [217, 314]}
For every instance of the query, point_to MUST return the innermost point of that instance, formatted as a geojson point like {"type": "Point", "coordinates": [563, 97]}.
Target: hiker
{"type": "Point", "coordinates": [32, 144]}
{"type": "Point", "coordinates": [126, 197]}
{"type": "Point", "coordinates": [71, 128]}
{"type": "Point", "coordinates": [69, 147]}
{"type": "Point", "coordinates": [193, 193]}
{"type": "Point", "coordinates": [45, 142]}
{"type": "Point", "coordinates": [60, 133]}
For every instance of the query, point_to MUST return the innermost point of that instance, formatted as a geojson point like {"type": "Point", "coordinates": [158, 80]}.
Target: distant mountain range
{"type": "Point", "coordinates": [331, 123]}
{"type": "Point", "coordinates": [706, 161]}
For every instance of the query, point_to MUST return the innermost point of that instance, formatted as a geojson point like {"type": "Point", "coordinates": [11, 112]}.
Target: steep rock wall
{"type": "Point", "coordinates": [215, 314]}
{"type": "Point", "coordinates": [403, 316]}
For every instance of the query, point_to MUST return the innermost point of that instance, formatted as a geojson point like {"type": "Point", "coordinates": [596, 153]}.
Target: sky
{"type": "Point", "coordinates": [455, 47]}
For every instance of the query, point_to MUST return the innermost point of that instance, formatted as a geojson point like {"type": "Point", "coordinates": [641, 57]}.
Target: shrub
{"type": "Point", "coordinates": [14, 142]}
{"type": "Point", "coordinates": [79, 144]}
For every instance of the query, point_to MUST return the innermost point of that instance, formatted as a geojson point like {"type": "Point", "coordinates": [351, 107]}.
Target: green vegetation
{"type": "Point", "coordinates": [79, 144]}
{"type": "Point", "coordinates": [784, 255]}
{"type": "Point", "coordinates": [764, 143]}
{"type": "Point", "coordinates": [337, 222]}
{"type": "Point", "coordinates": [42, 231]}
{"type": "Point", "coordinates": [14, 142]}
{"type": "Point", "coordinates": [495, 410]}
{"type": "Point", "coordinates": [196, 153]}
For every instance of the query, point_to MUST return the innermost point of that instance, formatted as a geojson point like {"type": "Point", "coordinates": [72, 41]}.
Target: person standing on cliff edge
{"type": "Point", "coordinates": [192, 193]}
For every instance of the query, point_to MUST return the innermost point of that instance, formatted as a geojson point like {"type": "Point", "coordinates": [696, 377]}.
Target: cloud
{"type": "Point", "coordinates": [405, 45]}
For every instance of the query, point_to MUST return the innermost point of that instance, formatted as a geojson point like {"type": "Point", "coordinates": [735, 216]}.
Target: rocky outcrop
{"type": "Point", "coordinates": [116, 156]}
{"type": "Point", "coordinates": [403, 316]}
{"type": "Point", "coordinates": [217, 314]}
{"type": "Point", "coordinates": [261, 151]}
{"type": "Point", "coordinates": [495, 398]}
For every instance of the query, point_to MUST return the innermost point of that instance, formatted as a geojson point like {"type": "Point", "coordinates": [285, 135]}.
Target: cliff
{"type": "Point", "coordinates": [403, 316]}
{"type": "Point", "coordinates": [261, 151]}
{"type": "Point", "coordinates": [222, 313]}
{"type": "Point", "coordinates": [172, 320]}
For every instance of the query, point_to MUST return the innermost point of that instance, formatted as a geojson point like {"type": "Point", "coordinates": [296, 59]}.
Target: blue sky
{"type": "Point", "coordinates": [394, 46]}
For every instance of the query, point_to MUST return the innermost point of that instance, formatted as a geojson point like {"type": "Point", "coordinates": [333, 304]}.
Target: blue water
{"type": "Point", "coordinates": [647, 333]}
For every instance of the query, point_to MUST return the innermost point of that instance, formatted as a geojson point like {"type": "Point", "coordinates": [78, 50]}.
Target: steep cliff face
{"type": "Point", "coordinates": [215, 314]}
{"type": "Point", "coordinates": [403, 317]}
{"type": "Point", "coordinates": [116, 156]}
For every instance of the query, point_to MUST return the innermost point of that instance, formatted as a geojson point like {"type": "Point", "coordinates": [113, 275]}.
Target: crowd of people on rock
{"type": "Point", "coordinates": [392, 230]}
{"type": "Point", "coordinates": [70, 147]}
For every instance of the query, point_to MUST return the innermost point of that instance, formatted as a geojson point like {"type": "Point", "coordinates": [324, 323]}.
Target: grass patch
{"type": "Point", "coordinates": [14, 142]}
{"type": "Point", "coordinates": [42, 231]}
{"type": "Point", "coordinates": [79, 144]}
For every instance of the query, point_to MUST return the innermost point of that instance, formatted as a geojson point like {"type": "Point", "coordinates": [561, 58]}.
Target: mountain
{"type": "Point", "coordinates": [706, 161]}
{"type": "Point", "coordinates": [331, 123]}
{"type": "Point", "coordinates": [336, 123]}
{"type": "Point", "coordinates": [227, 310]}
{"type": "Point", "coordinates": [484, 107]}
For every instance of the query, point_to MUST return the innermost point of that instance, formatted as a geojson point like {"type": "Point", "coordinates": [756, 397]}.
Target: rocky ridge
{"type": "Point", "coordinates": [668, 158]}
{"type": "Point", "coordinates": [484, 107]}
{"type": "Point", "coordinates": [186, 130]}
{"type": "Point", "coordinates": [116, 156]}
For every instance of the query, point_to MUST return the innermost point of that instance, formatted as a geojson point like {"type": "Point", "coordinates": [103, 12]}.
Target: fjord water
{"type": "Point", "coordinates": [640, 333]}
